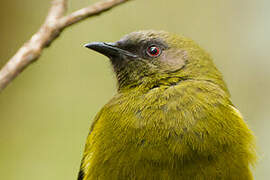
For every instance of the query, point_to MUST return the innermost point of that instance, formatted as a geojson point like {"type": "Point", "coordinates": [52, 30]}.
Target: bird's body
{"type": "Point", "coordinates": [174, 124]}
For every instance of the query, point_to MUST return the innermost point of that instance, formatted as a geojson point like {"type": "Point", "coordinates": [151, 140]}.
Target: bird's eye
{"type": "Point", "coordinates": [153, 51]}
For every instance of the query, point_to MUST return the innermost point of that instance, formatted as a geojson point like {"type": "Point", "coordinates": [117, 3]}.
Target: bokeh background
{"type": "Point", "coordinates": [45, 114]}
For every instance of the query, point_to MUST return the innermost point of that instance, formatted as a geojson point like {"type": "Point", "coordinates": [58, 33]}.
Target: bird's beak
{"type": "Point", "coordinates": [109, 49]}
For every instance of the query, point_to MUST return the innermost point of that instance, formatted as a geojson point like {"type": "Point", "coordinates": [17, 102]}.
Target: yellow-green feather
{"type": "Point", "coordinates": [187, 131]}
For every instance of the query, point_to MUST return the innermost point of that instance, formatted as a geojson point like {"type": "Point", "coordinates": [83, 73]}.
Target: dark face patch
{"type": "Point", "coordinates": [153, 57]}
{"type": "Point", "coordinates": [141, 48]}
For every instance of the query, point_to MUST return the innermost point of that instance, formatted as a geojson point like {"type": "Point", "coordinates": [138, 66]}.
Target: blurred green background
{"type": "Point", "coordinates": [45, 114]}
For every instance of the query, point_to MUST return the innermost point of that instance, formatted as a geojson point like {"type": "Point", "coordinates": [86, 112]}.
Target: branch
{"type": "Point", "coordinates": [54, 24]}
{"type": "Point", "coordinates": [89, 11]}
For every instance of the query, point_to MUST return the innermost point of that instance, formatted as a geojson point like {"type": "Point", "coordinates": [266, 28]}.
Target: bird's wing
{"type": "Point", "coordinates": [81, 172]}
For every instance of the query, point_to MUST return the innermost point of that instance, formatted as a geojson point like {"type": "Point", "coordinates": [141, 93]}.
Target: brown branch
{"type": "Point", "coordinates": [49, 31]}
{"type": "Point", "coordinates": [89, 11]}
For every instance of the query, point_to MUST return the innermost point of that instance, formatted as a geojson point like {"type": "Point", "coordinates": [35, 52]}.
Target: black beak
{"type": "Point", "coordinates": [109, 49]}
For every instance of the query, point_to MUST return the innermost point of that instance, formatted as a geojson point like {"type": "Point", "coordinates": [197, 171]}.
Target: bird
{"type": "Point", "coordinates": [172, 117]}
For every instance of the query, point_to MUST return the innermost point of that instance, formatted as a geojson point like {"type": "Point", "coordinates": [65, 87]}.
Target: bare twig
{"type": "Point", "coordinates": [49, 31]}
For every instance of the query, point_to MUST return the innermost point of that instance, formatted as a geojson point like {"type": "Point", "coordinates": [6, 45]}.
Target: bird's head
{"type": "Point", "coordinates": [157, 58]}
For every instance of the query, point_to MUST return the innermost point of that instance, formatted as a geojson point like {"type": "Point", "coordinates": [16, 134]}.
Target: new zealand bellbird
{"type": "Point", "coordinates": [171, 119]}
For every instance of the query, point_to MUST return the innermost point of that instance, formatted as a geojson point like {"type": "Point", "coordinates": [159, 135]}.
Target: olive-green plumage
{"type": "Point", "coordinates": [172, 117]}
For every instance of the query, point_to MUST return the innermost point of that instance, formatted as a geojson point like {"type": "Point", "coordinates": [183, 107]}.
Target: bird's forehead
{"type": "Point", "coordinates": [140, 37]}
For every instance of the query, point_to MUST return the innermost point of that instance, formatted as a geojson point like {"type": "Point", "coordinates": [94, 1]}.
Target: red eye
{"type": "Point", "coordinates": [153, 51]}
